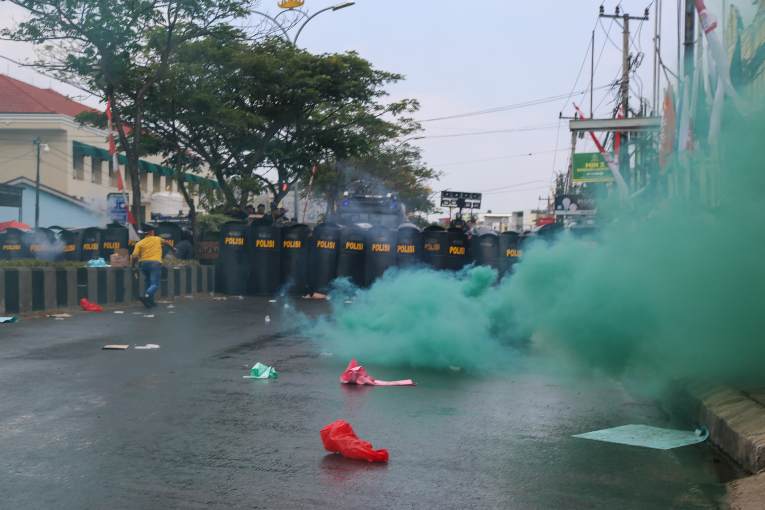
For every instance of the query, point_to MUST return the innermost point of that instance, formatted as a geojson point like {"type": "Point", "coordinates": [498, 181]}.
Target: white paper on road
{"type": "Point", "coordinates": [4, 320]}
{"type": "Point", "coordinates": [647, 436]}
{"type": "Point", "coordinates": [146, 347]}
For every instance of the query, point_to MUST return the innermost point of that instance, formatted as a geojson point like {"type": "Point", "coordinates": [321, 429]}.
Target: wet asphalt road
{"type": "Point", "coordinates": [179, 427]}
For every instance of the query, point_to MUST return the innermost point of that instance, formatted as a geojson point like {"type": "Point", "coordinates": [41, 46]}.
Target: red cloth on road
{"type": "Point", "coordinates": [339, 437]}
{"type": "Point", "coordinates": [90, 307]}
{"type": "Point", "coordinates": [357, 374]}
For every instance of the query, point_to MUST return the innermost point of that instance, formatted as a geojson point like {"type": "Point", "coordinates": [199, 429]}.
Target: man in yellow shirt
{"type": "Point", "coordinates": [148, 254]}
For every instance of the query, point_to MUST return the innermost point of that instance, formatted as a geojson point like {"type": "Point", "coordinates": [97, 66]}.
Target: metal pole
{"type": "Point", "coordinates": [655, 96]}
{"type": "Point", "coordinates": [36, 143]}
{"type": "Point", "coordinates": [626, 66]}
{"type": "Point", "coordinates": [592, 71]}
{"type": "Point", "coordinates": [312, 16]}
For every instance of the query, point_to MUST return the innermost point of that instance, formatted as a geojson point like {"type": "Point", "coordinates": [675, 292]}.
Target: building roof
{"type": "Point", "coordinates": [19, 97]}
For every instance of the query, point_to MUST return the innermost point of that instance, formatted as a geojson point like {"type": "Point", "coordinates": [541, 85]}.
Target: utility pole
{"type": "Point", "coordinates": [690, 34]}
{"type": "Point", "coordinates": [36, 143]}
{"type": "Point", "coordinates": [625, 83]}
{"type": "Point", "coordinates": [656, 58]}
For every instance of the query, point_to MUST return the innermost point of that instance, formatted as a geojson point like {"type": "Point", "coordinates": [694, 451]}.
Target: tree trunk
{"type": "Point", "coordinates": [135, 185]}
{"type": "Point", "coordinates": [190, 202]}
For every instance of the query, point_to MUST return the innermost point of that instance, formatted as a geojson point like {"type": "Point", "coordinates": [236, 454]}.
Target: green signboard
{"type": "Point", "coordinates": [591, 167]}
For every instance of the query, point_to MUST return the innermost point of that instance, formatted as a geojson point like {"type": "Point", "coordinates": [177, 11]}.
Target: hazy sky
{"type": "Point", "coordinates": [461, 56]}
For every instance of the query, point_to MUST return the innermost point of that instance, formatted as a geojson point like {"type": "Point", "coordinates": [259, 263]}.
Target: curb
{"type": "Point", "coordinates": [736, 424]}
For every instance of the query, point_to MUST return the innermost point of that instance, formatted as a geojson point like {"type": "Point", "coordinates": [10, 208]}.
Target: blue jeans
{"type": "Point", "coordinates": [152, 271]}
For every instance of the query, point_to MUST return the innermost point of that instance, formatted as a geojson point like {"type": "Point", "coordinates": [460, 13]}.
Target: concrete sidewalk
{"type": "Point", "coordinates": [736, 423]}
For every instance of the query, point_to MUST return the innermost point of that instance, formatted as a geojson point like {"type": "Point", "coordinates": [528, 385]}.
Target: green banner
{"type": "Point", "coordinates": [591, 167]}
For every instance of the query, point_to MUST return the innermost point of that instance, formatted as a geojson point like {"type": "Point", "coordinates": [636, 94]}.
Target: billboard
{"type": "Point", "coordinates": [455, 198]}
{"type": "Point", "coordinates": [590, 167]}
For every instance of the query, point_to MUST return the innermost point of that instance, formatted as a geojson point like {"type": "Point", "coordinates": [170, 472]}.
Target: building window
{"type": "Point", "coordinates": [157, 182]}
{"type": "Point", "coordinates": [79, 167]}
{"type": "Point", "coordinates": [95, 170]}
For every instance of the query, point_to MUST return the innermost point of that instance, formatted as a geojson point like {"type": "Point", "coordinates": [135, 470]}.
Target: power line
{"type": "Point", "coordinates": [516, 185]}
{"type": "Point", "coordinates": [515, 106]}
{"type": "Point", "coordinates": [494, 131]}
{"type": "Point", "coordinates": [511, 156]}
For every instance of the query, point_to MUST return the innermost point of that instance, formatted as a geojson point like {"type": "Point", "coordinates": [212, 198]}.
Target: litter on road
{"type": "Point", "coordinates": [59, 315]}
{"type": "Point", "coordinates": [339, 437]}
{"type": "Point", "coordinates": [146, 347]}
{"type": "Point", "coordinates": [267, 319]}
{"type": "Point", "coordinates": [115, 347]}
{"type": "Point", "coordinates": [261, 371]}
{"type": "Point", "coordinates": [220, 298]}
{"type": "Point", "coordinates": [149, 316]}
{"type": "Point", "coordinates": [272, 301]}
{"type": "Point", "coordinates": [8, 320]}
{"type": "Point", "coordinates": [90, 307]}
{"type": "Point", "coordinates": [647, 436]}
{"type": "Point", "coordinates": [357, 374]}
{"type": "Point", "coordinates": [119, 312]}
{"type": "Point", "coordinates": [99, 262]}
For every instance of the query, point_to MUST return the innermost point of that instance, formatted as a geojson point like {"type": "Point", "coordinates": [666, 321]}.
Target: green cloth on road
{"type": "Point", "coordinates": [647, 436]}
{"type": "Point", "coordinates": [261, 371]}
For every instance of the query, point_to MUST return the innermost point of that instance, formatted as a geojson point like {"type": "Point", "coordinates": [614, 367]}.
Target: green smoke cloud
{"type": "Point", "coordinates": [671, 288]}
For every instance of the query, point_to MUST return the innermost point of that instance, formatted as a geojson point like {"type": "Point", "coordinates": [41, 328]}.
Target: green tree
{"type": "Point", "coordinates": [261, 114]}
{"type": "Point", "coordinates": [119, 50]}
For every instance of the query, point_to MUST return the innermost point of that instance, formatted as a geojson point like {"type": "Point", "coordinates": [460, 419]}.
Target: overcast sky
{"type": "Point", "coordinates": [460, 56]}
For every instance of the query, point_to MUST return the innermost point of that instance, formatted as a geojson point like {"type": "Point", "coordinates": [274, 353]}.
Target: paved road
{"type": "Point", "coordinates": [180, 428]}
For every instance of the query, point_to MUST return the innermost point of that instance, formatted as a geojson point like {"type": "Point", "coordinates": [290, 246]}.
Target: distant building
{"type": "Point", "coordinates": [496, 221]}
{"type": "Point", "coordinates": [76, 173]}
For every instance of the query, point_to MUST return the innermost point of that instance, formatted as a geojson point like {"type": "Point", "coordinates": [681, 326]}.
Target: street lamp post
{"type": "Point", "coordinates": [293, 42]}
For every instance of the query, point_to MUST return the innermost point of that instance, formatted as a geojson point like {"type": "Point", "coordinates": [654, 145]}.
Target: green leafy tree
{"type": "Point", "coordinates": [261, 114]}
{"type": "Point", "coordinates": [119, 50]}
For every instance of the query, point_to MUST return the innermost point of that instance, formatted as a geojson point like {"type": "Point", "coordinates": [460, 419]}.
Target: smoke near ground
{"type": "Point", "coordinates": [418, 318]}
{"type": "Point", "coordinates": [670, 289]}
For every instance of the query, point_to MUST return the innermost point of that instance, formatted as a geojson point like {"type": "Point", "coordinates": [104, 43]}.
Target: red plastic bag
{"type": "Point", "coordinates": [339, 437]}
{"type": "Point", "coordinates": [357, 374]}
{"type": "Point", "coordinates": [90, 307]}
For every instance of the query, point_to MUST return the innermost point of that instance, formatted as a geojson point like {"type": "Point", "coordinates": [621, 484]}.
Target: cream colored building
{"type": "Point", "coordinates": [74, 159]}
